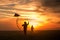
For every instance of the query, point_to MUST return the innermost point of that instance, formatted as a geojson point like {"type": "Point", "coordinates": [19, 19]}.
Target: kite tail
{"type": "Point", "coordinates": [17, 24]}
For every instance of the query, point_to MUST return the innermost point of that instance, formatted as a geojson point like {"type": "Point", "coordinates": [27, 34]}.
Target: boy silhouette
{"type": "Point", "coordinates": [25, 27]}
{"type": "Point", "coordinates": [32, 28]}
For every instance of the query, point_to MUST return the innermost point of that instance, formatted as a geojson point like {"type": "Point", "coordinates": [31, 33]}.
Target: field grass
{"type": "Point", "coordinates": [37, 35]}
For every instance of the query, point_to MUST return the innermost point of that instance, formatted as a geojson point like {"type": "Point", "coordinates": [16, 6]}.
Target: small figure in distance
{"type": "Point", "coordinates": [25, 27]}
{"type": "Point", "coordinates": [32, 28]}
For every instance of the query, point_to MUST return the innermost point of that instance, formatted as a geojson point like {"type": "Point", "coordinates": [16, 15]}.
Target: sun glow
{"type": "Point", "coordinates": [30, 14]}
{"type": "Point", "coordinates": [37, 20]}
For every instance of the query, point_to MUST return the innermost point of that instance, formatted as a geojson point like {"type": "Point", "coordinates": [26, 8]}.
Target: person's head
{"type": "Point", "coordinates": [32, 25]}
{"type": "Point", "coordinates": [24, 22]}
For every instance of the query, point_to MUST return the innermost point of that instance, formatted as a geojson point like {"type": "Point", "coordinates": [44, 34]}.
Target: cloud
{"type": "Point", "coordinates": [53, 4]}
{"type": "Point", "coordinates": [49, 8]}
{"type": "Point", "coordinates": [3, 2]}
{"type": "Point", "coordinates": [58, 22]}
{"type": "Point", "coordinates": [22, 2]}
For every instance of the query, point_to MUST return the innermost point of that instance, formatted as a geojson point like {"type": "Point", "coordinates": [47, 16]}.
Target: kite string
{"type": "Point", "coordinates": [17, 23]}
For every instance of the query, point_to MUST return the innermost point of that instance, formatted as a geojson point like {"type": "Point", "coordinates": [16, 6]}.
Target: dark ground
{"type": "Point", "coordinates": [37, 35]}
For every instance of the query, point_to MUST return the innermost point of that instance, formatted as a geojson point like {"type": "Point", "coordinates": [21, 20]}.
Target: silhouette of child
{"type": "Point", "coordinates": [25, 27]}
{"type": "Point", "coordinates": [32, 28]}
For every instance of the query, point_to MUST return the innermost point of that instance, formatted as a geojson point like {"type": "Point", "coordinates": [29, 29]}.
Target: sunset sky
{"type": "Point", "coordinates": [42, 14]}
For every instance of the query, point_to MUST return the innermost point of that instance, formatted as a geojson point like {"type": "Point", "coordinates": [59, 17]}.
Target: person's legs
{"type": "Point", "coordinates": [25, 30]}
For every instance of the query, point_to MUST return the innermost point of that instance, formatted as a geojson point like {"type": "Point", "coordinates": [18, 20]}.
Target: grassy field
{"type": "Point", "coordinates": [37, 35]}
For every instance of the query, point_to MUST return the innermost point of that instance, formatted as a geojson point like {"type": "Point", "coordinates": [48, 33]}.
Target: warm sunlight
{"type": "Point", "coordinates": [29, 19]}
{"type": "Point", "coordinates": [30, 14]}
{"type": "Point", "coordinates": [36, 20]}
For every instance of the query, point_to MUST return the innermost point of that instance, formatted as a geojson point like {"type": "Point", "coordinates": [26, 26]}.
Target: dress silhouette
{"type": "Point", "coordinates": [25, 27]}
{"type": "Point", "coordinates": [32, 28]}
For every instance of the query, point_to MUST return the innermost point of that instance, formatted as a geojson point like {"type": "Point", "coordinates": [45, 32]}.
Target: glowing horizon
{"type": "Point", "coordinates": [40, 13]}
